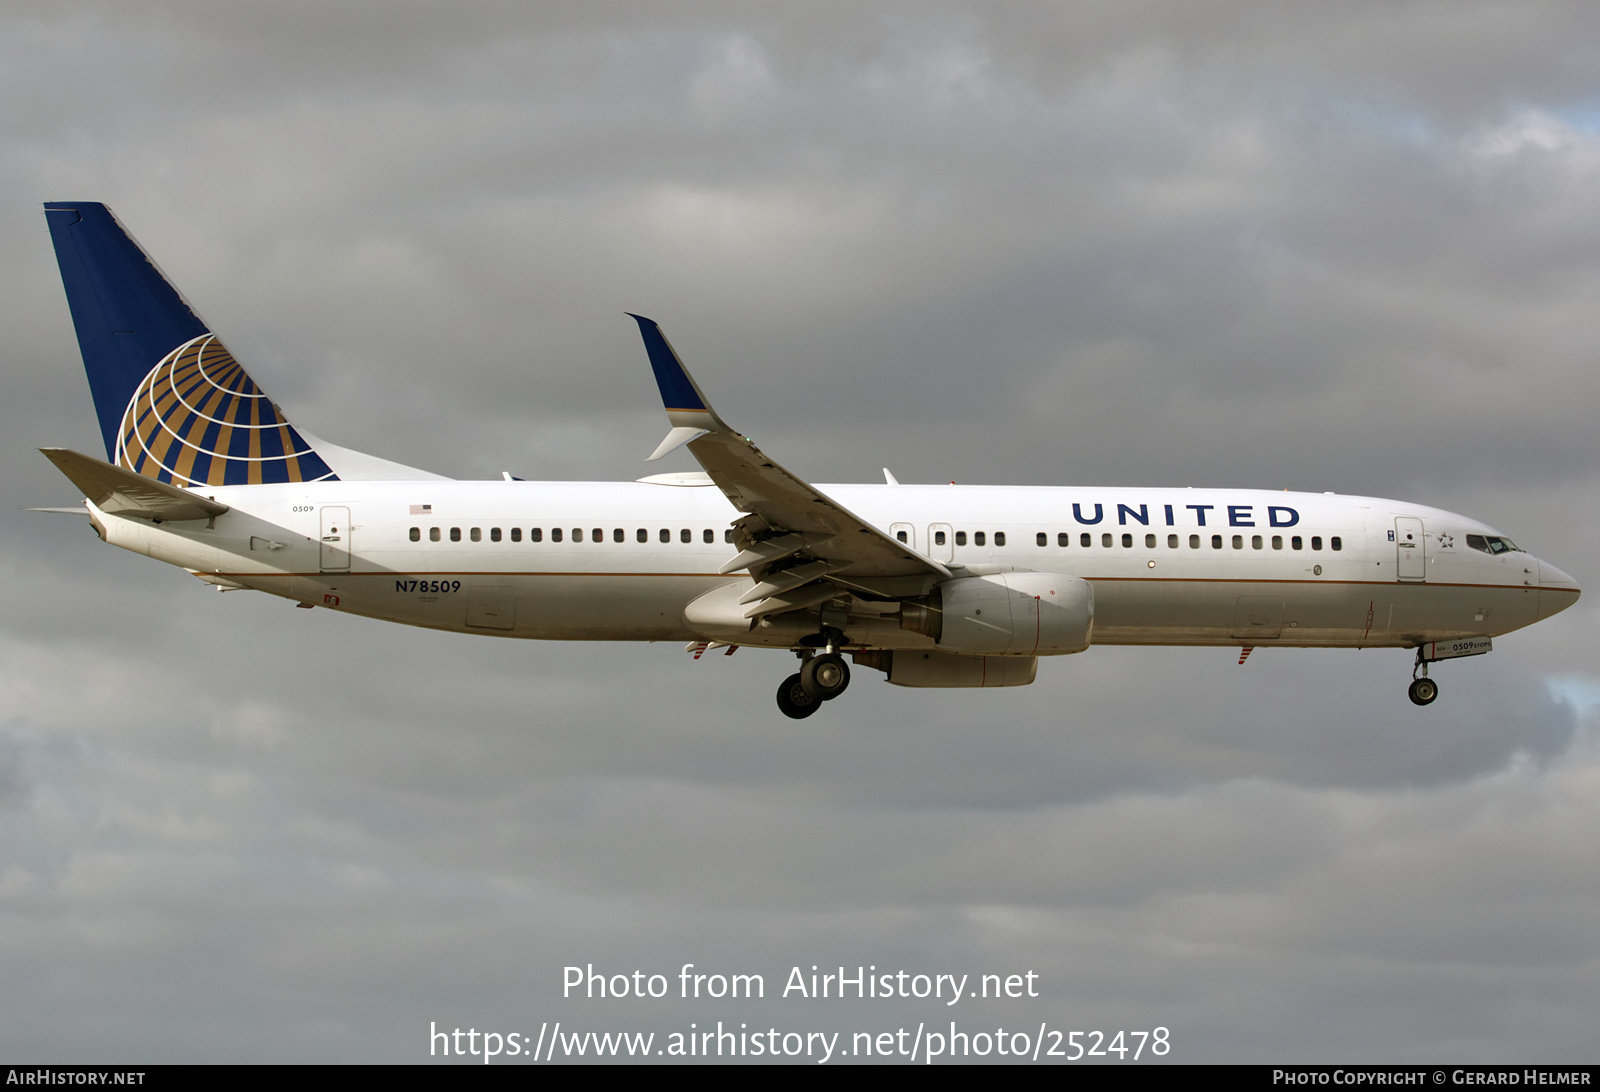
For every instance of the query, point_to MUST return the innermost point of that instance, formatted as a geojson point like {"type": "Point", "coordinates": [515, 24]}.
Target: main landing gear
{"type": "Point", "coordinates": [822, 677]}
{"type": "Point", "coordinates": [1423, 689]}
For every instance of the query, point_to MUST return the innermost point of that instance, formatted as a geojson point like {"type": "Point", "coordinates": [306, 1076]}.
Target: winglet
{"type": "Point", "coordinates": [675, 439]}
{"type": "Point", "coordinates": [691, 415]}
{"type": "Point", "coordinates": [679, 392]}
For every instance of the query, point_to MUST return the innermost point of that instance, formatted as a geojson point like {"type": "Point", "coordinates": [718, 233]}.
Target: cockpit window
{"type": "Point", "coordinates": [1491, 544]}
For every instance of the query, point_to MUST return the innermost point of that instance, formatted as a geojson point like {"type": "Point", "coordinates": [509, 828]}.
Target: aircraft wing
{"type": "Point", "coordinates": [800, 545]}
{"type": "Point", "coordinates": [121, 492]}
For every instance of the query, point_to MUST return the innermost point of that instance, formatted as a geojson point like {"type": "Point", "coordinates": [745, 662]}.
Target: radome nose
{"type": "Point", "coordinates": [1557, 590]}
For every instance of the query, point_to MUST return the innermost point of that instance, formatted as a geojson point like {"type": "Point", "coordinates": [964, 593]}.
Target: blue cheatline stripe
{"type": "Point", "coordinates": [677, 389]}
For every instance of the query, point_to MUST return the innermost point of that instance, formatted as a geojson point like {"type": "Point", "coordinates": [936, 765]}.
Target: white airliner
{"type": "Point", "coordinates": [934, 585]}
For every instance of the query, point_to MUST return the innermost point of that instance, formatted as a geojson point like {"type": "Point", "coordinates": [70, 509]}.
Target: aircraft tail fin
{"type": "Point", "coordinates": [174, 405]}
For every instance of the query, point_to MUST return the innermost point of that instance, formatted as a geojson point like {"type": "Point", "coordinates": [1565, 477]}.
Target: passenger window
{"type": "Point", "coordinates": [1063, 538]}
{"type": "Point", "coordinates": [433, 534]}
{"type": "Point", "coordinates": [1255, 542]}
{"type": "Point", "coordinates": [709, 536]}
{"type": "Point", "coordinates": [938, 538]}
{"type": "Point", "coordinates": [1194, 542]}
{"type": "Point", "coordinates": [961, 538]}
{"type": "Point", "coordinates": [727, 536]}
{"type": "Point", "coordinates": [1084, 539]}
{"type": "Point", "coordinates": [642, 535]}
{"type": "Point", "coordinates": [599, 535]}
{"type": "Point", "coordinates": [455, 534]}
{"type": "Point", "coordinates": [685, 535]}
{"type": "Point", "coordinates": [618, 534]}
{"type": "Point", "coordinates": [1216, 542]}
{"type": "Point", "coordinates": [1149, 541]}
{"type": "Point", "coordinates": [978, 539]}
{"type": "Point", "coordinates": [1172, 542]}
{"type": "Point", "coordinates": [577, 534]}
{"type": "Point", "coordinates": [901, 535]}
{"type": "Point", "coordinates": [1105, 539]}
{"type": "Point", "coordinates": [1297, 543]}
{"type": "Point", "coordinates": [536, 534]}
{"type": "Point", "coordinates": [1238, 542]}
{"type": "Point", "coordinates": [1277, 542]}
{"type": "Point", "coordinates": [999, 538]}
{"type": "Point", "coordinates": [666, 535]}
{"type": "Point", "coordinates": [555, 534]}
{"type": "Point", "coordinates": [494, 534]}
{"type": "Point", "coordinates": [477, 534]}
{"type": "Point", "coordinates": [1042, 539]}
{"type": "Point", "coordinates": [416, 534]}
{"type": "Point", "coordinates": [516, 534]}
{"type": "Point", "coordinates": [1316, 542]}
{"type": "Point", "coordinates": [1336, 542]}
{"type": "Point", "coordinates": [1127, 540]}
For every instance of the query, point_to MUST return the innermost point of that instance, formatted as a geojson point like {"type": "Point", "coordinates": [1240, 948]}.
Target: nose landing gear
{"type": "Point", "coordinates": [1422, 690]}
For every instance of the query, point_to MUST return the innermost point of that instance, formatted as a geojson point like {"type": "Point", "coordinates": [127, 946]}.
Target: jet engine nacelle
{"type": "Point", "coordinates": [1028, 614]}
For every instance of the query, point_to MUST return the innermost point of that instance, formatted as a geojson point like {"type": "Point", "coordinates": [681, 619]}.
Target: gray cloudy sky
{"type": "Point", "coordinates": [1347, 247]}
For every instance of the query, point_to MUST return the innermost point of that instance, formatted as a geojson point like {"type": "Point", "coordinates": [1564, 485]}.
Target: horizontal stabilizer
{"type": "Point", "coordinates": [120, 492]}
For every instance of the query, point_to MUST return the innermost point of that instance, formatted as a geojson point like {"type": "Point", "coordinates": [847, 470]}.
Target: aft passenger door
{"type": "Point", "coordinates": [335, 540]}
{"type": "Point", "coordinates": [1410, 552]}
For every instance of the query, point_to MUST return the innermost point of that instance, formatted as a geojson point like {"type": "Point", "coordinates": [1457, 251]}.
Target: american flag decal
{"type": "Point", "coordinates": [421, 509]}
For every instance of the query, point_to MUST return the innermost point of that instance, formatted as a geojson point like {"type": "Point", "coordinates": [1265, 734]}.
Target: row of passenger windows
{"type": "Point", "coordinates": [558, 534]}
{"type": "Point", "coordinates": [979, 538]}
{"type": "Point", "coordinates": [1257, 542]}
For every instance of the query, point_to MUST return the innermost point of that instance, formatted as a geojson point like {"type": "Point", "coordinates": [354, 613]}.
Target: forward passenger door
{"type": "Point", "coordinates": [1410, 551]}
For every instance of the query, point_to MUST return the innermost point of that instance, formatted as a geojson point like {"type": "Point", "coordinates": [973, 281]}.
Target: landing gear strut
{"type": "Point", "coordinates": [1423, 689]}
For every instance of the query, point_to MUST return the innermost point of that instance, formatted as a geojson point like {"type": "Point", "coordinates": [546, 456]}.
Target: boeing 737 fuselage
{"type": "Point", "coordinates": [936, 586]}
